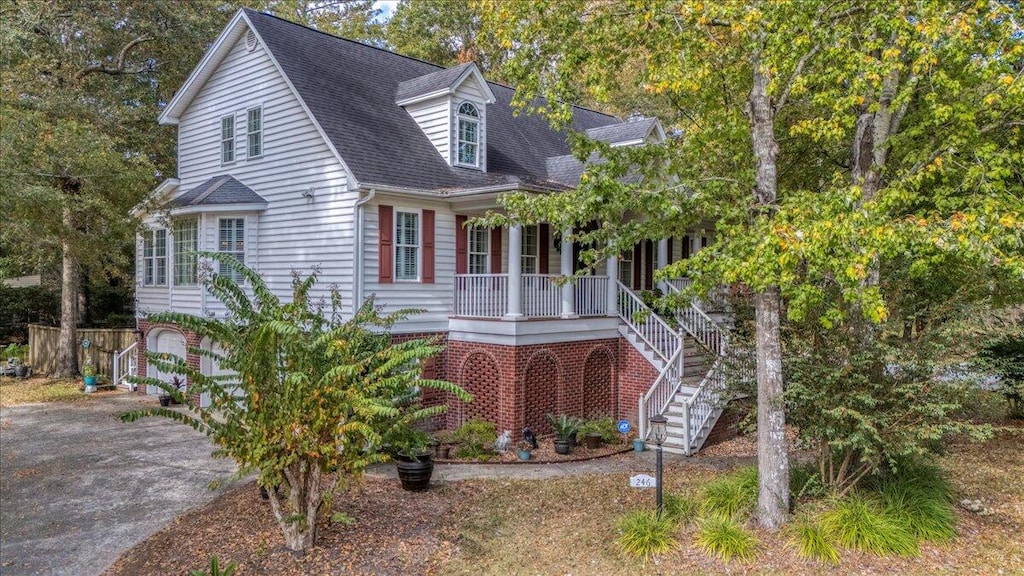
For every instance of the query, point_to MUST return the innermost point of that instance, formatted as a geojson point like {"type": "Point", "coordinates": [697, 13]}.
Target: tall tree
{"type": "Point", "coordinates": [445, 32]}
{"type": "Point", "coordinates": [768, 98]}
{"type": "Point", "coordinates": [352, 19]}
{"type": "Point", "coordinates": [81, 85]}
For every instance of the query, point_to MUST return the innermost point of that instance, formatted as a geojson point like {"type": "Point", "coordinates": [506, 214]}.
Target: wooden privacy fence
{"type": "Point", "coordinates": [42, 342]}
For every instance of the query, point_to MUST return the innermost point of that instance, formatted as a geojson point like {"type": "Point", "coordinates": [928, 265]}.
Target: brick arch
{"type": "Point", "coordinates": [542, 387]}
{"type": "Point", "coordinates": [480, 376]}
{"type": "Point", "coordinates": [599, 384]}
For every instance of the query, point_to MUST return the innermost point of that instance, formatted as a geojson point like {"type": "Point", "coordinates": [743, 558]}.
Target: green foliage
{"type": "Point", "coordinates": [215, 569]}
{"type": "Point", "coordinates": [1005, 359]}
{"type": "Point", "coordinates": [19, 351]}
{"type": "Point", "coordinates": [861, 522]}
{"type": "Point", "coordinates": [342, 518]}
{"type": "Point", "coordinates": [445, 32]}
{"type": "Point", "coordinates": [310, 397]}
{"type": "Point", "coordinates": [475, 439]}
{"type": "Point", "coordinates": [678, 508]}
{"type": "Point", "coordinates": [642, 534]}
{"type": "Point", "coordinates": [805, 481]}
{"type": "Point", "coordinates": [604, 426]}
{"type": "Point", "coordinates": [920, 498]}
{"type": "Point", "coordinates": [21, 306]}
{"type": "Point", "coordinates": [810, 541]}
{"type": "Point", "coordinates": [564, 425]}
{"type": "Point", "coordinates": [731, 496]}
{"type": "Point", "coordinates": [725, 538]}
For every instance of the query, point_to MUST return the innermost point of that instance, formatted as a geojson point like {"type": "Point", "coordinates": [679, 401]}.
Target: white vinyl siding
{"type": "Point", "coordinates": [407, 245]}
{"type": "Point", "coordinates": [227, 139]}
{"type": "Point", "coordinates": [433, 118]}
{"type": "Point", "coordinates": [254, 132]}
{"type": "Point", "coordinates": [186, 242]}
{"type": "Point", "coordinates": [231, 242]}
{"type": "Point", "coordinates": [479, 250]}
{"type": "Point", "coordinates": [154, 257]}
{"type": "Point", "coordinates": [292, 233]}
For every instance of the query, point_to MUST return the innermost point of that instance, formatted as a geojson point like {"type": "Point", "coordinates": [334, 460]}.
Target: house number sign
{"type": "Point", "coordinates": [642, 481]}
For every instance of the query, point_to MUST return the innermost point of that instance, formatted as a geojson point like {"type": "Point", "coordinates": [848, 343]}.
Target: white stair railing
{"type": "Point", "coordinates": [699, 325]}
{"type": "Point", "coordinates": [662, 339]}
{"type": "Point", "coordinates": [125, 365]}
{"type": "Point", "coordinates": [660, 395]}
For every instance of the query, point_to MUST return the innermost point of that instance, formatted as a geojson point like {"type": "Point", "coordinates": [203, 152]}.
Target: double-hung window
{"type": "Point", "coordinates": [479, 250]}
{"type": "Point", "coordinates": [407, 245]}
{"type": "Point", "coordinates": [469, 135]}
{"type": "Point", "coordinates": [254, 132]}
{"type": "Point", "coordinates": [186, 242]}
{"type": "Point", "coordinates": [154, 257]}
{"type": "Point", "coordinates": [530, 253]}
{"type": "Point", "coordinates": [231, 241]}
{"type": "Point", "coordinates": [626, 268]}
{"type": "Point", "coordinates": [227, 139]}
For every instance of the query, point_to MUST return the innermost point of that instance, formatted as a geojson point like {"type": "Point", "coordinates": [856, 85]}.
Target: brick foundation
{"type": "Point", "coordinates": [728, 425]}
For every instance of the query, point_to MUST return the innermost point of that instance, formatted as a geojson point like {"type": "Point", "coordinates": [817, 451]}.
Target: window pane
{"type": "Point", "coordinates": [231, 232]}
{"type": "Point", "coordinates": [467, 109]}
{"type": "Point", "coordinates": [255, 120]}
{"type": "Point", "coordinates": [227, 128]}
{"type": "Point", "coordinates": [467, 153]}
{"type": "Point", "coordinates": [255, 144]}
{"type": "Point", "coordinates": [405, 262]}
{"type": "Point", "coordinates": [254, 128]}
{"type": "Point", "coordinates": [185, 245]}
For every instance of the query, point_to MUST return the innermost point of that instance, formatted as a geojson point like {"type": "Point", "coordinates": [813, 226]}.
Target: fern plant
{"type": "Point", "coordinates": [311, 396]}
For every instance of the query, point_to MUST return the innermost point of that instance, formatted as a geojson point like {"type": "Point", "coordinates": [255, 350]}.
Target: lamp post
{"type": "Point", "coordinates": [659, 432]}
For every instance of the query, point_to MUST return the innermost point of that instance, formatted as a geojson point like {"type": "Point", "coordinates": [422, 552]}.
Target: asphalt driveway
{"type": "Point", "coordinates": [78, 487]}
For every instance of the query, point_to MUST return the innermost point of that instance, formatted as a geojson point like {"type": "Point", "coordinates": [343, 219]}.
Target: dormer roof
{"type": "Point", "coordinates": [217, 191]}
{"type": "Point", "coordinates": [632, 131]}
{"type": "Point", "coordinates": [440, 83]}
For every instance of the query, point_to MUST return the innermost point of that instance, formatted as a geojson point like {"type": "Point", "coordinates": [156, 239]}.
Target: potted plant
{"type": "Point", "coordinates": [444, 442]}
{"type": "Point", "coordinates": [413, 460]}
{"type": "Point", "coordinates": [89, 375]}
{"type": "Point", "coordinates": [565, 430]}
{"type": "Point", "coordinates": [178, 383]}
{"type": "Point", "coordinates": [524, 449]}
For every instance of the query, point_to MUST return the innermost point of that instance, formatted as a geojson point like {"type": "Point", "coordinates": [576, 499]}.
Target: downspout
{"type": "Point", "coordinates": [357, 273]}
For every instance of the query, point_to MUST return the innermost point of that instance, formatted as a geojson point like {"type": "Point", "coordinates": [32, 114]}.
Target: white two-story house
{"type": "Point", "coordinates": [298, 149]}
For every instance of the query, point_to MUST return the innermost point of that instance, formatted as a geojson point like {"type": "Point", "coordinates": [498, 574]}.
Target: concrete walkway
{"type": "Point", "coordinates": [78, 487]}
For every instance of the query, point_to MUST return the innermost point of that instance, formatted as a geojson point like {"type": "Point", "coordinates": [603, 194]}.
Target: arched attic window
{"type": "Point", "coordinates": [469, 135]}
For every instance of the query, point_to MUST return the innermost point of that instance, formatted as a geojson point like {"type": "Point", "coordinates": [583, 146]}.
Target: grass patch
{"type": "Point", "coordinates": [725, 538]}
{"type": "Point", "coordinates": [679, 509]}
{"type": "Point", "coordinates": [920, 498]}
{"type": "Point", "coordinates": [35, 390]}
{"type": "Point", "coordinates": [860, 522]}
{"type": "Point", "coordinates": [731, 496]}
{"type": "Point", "coordinates": [809, 540]}
{"type": "Point", "coordinates": [643, 534]}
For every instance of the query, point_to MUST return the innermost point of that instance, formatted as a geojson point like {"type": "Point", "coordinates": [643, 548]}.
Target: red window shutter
{"type": "Point", "coordinates": [543, 239]}
{"type": "Point", "coordinates": [461, 248]}
{"type": "Point", "coordinates": [385, 231]}
{"type": "Point", "coordinates": [428, 246]}
{"type": "Point", "coordinates": [637, 259]}
{"type": "Point", "coordinates": [496, 251]}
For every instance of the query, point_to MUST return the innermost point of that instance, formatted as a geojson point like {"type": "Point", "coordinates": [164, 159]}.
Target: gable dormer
{"type": "Point", "coordinates": [450, 107]}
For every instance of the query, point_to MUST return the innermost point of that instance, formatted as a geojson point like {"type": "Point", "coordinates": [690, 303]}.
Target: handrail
{"type": "Point", "coordinates": [659, 396]}
{"type": "Point", "coordinates": [699, 407]}
{"type": "Point", "coordinates": [662, 339]}
{"type": "Point", "coordinates": [124, 364]}
{"type": "Point", "coordinates": [700, 326]}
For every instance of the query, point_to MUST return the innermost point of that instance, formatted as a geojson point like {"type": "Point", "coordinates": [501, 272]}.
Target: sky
{"type": "Point", "coordinates": [387, 8]}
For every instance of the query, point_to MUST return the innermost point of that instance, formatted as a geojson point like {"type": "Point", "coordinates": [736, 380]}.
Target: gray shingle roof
{"type": "Point", "coordinates": [430, 83]}
{"type": "Point", "coordinates": [350, 89]}
{"type": "Point", "coordinates": [623, 132]}
{"type": "Point", "coordinates": [217, 191]}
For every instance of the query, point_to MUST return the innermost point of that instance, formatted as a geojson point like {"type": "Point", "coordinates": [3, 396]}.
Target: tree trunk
{"type": "Point", "coordinates": [772, 458]}
{"type": "Point", "coordinates": [67, 342]}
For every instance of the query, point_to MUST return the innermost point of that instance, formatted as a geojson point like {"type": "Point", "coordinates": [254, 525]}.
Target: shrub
{"type": "Point", "coordinates": [643, 534]}
{"type": "Point", "coordinates": [215, 569]}
{"type": "Point", "coordinates": [731, 496]}
{"type": "Point", "coordinates": [725, 538]}
{"type": "Point", "coordinates": [605, 426]}
{"type": "Point", "coordinates": [475, 438]}
{"type": "Point", "coordinates": [805, 481]}
{"type": "Point", "coordinates": [565, 426]}
{"type": "Point", "coordinates": [920, 498]}
{"type": "Point", "coordinates": [862, 523]}
{"type": "Point", "coordinates": [678, 508]}
{"type": "Point", "coordinates": [810, 541]}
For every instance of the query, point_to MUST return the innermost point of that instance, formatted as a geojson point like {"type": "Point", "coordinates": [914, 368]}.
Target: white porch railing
{"type": "Point", "coordinates": [660, 395]}
{"type": "Point", "coordinates": [481, 295]}
{"type": "Point", "coordinates": [542, 298]}
{"type": "Point", "coordinates": [662, 339]}
{"type": "Point", "coordinates": [125, 365]}
{"type": "Point", "coordinates": [592, 296]}
{"type": "Point", "coordinates": [698, 324]}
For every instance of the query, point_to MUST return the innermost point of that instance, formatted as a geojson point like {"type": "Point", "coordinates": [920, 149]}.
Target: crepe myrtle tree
{"type": "Point", "coordinates": [310, 397]}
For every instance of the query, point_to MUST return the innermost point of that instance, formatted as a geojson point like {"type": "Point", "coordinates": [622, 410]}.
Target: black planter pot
{"type": "Point", "coordinates": [415, 476]}
{"type": "Point", "coordinates": [593, 441]}
{"type": "Point", "coordinates": [165, 400]}
{"type": "Point", "coordinates": [21, 371]}
{"type": "Point", "coordinates": [562, 446]}
{"type": "Point", "coordinates": [574, 440]}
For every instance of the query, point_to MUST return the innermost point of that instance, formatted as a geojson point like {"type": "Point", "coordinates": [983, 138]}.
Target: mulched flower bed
{"type": "Point", "coordinates": [545, 454]}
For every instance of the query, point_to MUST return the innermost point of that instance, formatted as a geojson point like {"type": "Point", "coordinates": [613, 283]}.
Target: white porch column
{"type": "Point", "coordinates": [515, 273]}
{"type": "Point", "coordinates": [662, 261]}
{"type": "Point", "coordinates": [568, 290]}
{"type": "Point", "coordinates": [613, 286]}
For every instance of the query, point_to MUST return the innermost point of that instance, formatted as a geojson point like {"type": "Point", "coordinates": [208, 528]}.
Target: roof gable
{"type": "Point", "coordinates": [441, 83]}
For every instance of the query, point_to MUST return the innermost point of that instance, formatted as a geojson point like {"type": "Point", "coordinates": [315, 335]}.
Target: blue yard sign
{"type": "Point", "coordinates": [624, 426]}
